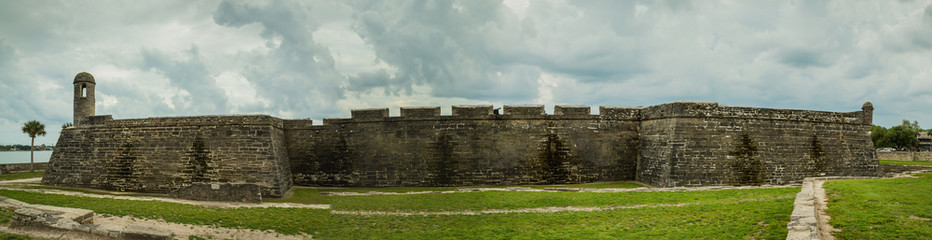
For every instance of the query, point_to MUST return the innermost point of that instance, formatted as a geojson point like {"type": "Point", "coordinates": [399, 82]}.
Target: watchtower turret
{"type": "Point", "coordinates": [83, 97]}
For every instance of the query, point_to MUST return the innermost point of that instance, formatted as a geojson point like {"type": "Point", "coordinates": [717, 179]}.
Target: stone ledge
{"type": "Point", "coordinates": [34, 216]}
{"type": "Point", "coordinates": [803, 223]}
{"type": "Point", "coordinates": [145, 233]}
{"type": "Point", "coordinates": [221, 192]}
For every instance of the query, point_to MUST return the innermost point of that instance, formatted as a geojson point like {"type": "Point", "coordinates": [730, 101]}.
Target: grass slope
{"type": "Point", "coordinates": [881, 208]}
{"type": "Point", "coordinates": [724, 214]}
{"type": "Point", "coordinates": [912, 163]}
{"type": "Point", "coordinates": [24, 175]}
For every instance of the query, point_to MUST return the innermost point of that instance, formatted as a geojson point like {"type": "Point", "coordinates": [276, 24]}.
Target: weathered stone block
{"type": "Point", "coordinates": [620, 113]}
{"type": "Point", "coordinates": [571, 110]}
{"type": "Point", "coordinates": [370, 114]}
{"type": "Point", "coordinates": [221, 192]}
{"type": "Point", "coordinates": [420, 112]}
{"type": "Point", "coordinates": [524, 110]}
{"type": "Point", "coordinates": [472, 110]}
{"type": "Point", "coordinates": [136, 232]}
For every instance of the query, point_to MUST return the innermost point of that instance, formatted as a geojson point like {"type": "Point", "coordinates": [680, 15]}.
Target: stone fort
{"type": "Point", "coordinates": [668, 145]}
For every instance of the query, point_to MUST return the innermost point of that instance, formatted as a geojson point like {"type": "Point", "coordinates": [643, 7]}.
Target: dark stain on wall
{"type": "Point", "coordinates": [199, 165]}
{"type": "Point", "coordinates": [336, 167]}
{"type": "Point", "coordinates": [444, 165]}
{"type": "Point", "coordinates": [553, 159]}
{"type": "Point", "coordinates": [747, 166]}
{"type": "Point", "coordinates": [119, 170]}
{"type": "Point", "coordinates": [817, 156]}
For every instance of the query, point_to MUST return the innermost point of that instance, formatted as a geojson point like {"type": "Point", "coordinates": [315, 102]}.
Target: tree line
{"type": "Point", "coordinates": [20, 147]}
{"type": "Point", "coordinates": [903, 137]}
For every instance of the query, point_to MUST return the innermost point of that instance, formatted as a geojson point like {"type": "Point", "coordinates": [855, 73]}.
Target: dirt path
{"type": "Point", "coordinates": [183, 231]}
{"type": "Point", "coordinates": [821, 203]}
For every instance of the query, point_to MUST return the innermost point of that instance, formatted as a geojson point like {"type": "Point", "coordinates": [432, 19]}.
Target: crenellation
{"type": "Point", "coordinates": [571, 110]}
{"type": "Point", "coordinates": [472, 110]}
{"type": "Point", "coordinates": [524, 110]}
{"type": "Point", "coordinates": [620, 113]}
{"type": "Point", "coordinates": [420, 112]}
{"type": "Point", "coordinates": [369, 114]}
{"type": "Point", "coordinates": [297, 123]}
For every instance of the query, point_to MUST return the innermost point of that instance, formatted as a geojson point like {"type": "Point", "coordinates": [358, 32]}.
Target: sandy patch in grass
{"type": "Point", "coordinates": [183, 231]}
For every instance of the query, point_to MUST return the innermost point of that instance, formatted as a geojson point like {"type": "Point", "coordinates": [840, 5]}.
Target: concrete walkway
{"type": "Point", "coordinates": [809, 220]}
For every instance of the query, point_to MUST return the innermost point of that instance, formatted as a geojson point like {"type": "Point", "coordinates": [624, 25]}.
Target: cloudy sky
{"type": "Point", "coordinates": [319, 59]}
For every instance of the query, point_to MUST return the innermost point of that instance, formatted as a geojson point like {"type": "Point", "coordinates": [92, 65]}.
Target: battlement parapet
{"type": "Point", "coordinates": [472, 110]}
{"type": "Point", "coordinates": [685, 109]}
{"type": "Point", "coordinates": [420, 112]}
{"type": "Point", "coordinates": [370, 113]}
{"type": "Point", "coordinates": [680, 109]}
{"type": "Point", "coordinates": [571, 110]}
{"type": "Point", "coordinates": [620, 113]}
{"type": "Point", "coordinates": [297, 123]}
{"type": "Point", "coordinates": [213, 120]}
{"type": "Point", "coordinates": [525, 110]}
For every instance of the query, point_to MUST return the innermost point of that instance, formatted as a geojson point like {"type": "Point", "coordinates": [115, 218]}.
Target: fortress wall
{"type": "Point", "coordinates": [674, 144]}
{"type": "Point", "coordinates": [692, 144]}
{"type": "Point", "coordinates": [163, 154]}
{"type": "Point", "coordinates": [905, 156]}
{"type": "Point", "coordinates": [471, 147]}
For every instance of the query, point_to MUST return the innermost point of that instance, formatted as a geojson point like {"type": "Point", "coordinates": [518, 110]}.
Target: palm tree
{"type": "Point", "coordinates": [33, 128]}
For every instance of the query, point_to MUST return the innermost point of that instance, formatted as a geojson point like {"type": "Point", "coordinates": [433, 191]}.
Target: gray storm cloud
{"type": "Point", "coordinates": [298, 59]}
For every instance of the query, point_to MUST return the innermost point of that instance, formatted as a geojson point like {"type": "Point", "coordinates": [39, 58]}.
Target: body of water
{"type": "Point", "coordinates": [23, 156]}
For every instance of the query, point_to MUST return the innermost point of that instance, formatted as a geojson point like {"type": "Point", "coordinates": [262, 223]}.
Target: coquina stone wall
{"type": "Point", "coordinates": [703, 143]}
{"type": "Point", "coordinates": [905, 156]}
{"type": "Point", "coordinates": [674, 144]}
{"type": "Point", "coordinates": [471, 147]}
{"type": "Point", "coordinates": [164, 154]}
{"type": "Point", "coordinates": [21, 167]}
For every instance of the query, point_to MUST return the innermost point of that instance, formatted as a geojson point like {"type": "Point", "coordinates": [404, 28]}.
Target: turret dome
{"type": "Point", "coordinates": [84, 77]}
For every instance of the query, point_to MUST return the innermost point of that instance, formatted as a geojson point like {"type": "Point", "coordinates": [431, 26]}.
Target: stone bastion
{"type": "Point", "coordinates": [668, 145]}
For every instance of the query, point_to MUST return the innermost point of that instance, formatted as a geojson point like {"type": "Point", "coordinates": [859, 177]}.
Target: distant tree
{"type": "Point", "coordinates": [914, 126]}
{"type": "Point", "coordinates": [66, 125]}
{"type": "Point", "coordinates": [877, 133]}
{"type": "Point", "coordinates": [33, 128]}
{"type": "Point", "coordinates": [901, 137]}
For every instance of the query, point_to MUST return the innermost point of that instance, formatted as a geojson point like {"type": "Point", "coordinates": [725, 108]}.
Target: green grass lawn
{"type": "Point", "coordinates": [723, 214]}
{"type": "Point", "coordinates": [313, 196]}
{"type": "Point", "coordinates": [917, 163]}
{"type": "Point", "coordinates": [516, 200]}
{"type": "Point", "coordinates": [14, 176]}
{"type": "Point", "coordinates": [881, 208]}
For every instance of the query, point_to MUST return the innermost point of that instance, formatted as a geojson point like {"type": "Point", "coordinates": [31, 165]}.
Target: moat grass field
{"type": "Point", "coordinates": [917, 163]}
{"type": "Point", "coordinates": [721, 214]}
{"type": "Point", "coordinates": [898, 208]}
{"type": "Point", "coordinates": [14, 176]}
